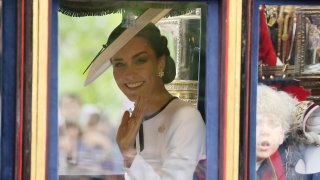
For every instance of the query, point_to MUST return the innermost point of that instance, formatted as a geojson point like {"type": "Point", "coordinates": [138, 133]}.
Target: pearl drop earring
{"type": "Point", "coordinates": [161, 74]}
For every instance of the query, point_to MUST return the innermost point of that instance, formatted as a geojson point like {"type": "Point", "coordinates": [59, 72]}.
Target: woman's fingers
{"type": "Point", "coordinates": [135, 112]}
{"type": "Point", "coordinates": [125, 118]}
{"type": "Point", "coordinates": [138, 112]}
{"type": "Point", "coordinates": [130, 125]}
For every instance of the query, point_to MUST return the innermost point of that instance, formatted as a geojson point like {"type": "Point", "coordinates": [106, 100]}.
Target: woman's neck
{"type": "Point", "coordinates": [157, 102]}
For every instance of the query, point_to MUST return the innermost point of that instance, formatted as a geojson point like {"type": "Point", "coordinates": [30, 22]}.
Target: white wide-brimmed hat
{"type": "Point", "coordinates": [102, 60]}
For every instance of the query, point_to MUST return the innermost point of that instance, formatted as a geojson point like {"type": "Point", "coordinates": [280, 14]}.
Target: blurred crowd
{"type": "Point", "coordinates": [86, 139]}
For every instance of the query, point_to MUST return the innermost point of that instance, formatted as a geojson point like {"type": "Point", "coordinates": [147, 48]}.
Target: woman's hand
{"type": "Point", "coordinates": [128, 131]}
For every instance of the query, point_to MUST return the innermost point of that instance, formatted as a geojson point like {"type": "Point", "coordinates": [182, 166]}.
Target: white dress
{"type": "Point", "coordinates": [174, 142]}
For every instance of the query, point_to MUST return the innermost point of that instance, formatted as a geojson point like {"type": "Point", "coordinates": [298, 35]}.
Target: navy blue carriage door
{"type": "Point", "coordinates": [15, 75]}
{"type": "Point", "coordinates": [8, 15]}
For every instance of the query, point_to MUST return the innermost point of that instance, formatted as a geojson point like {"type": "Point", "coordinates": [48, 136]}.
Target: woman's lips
{"type": "Point", "coordinates": [134, 85]}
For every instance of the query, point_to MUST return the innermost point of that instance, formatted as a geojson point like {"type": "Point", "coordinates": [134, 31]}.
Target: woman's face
{"type": "Point", "coordinates": [135, 69]}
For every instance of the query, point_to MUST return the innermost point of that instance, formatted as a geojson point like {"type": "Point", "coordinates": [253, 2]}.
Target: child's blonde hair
{"type": "Point", "coordinates": [274, 106]}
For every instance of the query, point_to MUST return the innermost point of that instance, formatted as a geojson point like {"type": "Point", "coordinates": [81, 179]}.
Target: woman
{"type": "Point", "coordinates": [171, 138]}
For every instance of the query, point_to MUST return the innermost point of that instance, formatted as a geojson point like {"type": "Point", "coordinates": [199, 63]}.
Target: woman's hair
{"type": "Point", "coordinates": [157, 42]}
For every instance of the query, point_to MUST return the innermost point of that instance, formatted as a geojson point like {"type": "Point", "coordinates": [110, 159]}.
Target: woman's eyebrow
{"type": "Point", "coordinates": [133, 57]}
{"type": "Point", "coordinates": [138, 54]}
{"type": "Point", "coordinates": [116, 59]}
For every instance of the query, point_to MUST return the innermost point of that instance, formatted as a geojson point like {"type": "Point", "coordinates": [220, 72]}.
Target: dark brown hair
{"type": "Point", "coordinates": [157, 42]}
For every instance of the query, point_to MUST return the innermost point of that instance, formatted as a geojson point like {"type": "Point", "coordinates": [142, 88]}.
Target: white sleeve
{"type": "Point", "coordinates": [185, 146]}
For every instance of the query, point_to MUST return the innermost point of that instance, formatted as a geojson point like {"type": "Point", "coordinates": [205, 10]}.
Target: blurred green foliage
{"type": "Point", "coordinates": [80, 39]}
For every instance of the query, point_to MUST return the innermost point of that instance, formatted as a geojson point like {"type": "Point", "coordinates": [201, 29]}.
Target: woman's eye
{"type": "Point", "coordinates": [118, 64]}
{"type": "Point", "coordinates": [141, 60]}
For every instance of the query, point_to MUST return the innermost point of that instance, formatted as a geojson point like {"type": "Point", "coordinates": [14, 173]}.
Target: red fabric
{"type": "Point", "coordinates": [298, 92]}
{"type": "Point", "coordinates": [266, 50]}
{"type": "Point", "coordinates": [276, 163]}
{"type": "Point", "coordinates": [268, 175]}
{"type": "Point", "coordinates": [200, 171]}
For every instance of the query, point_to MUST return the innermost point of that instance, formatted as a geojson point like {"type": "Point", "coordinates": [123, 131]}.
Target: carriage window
{"type": "Point", "coordinates": [89, 116]}
{"type": "Point", "coordinates": [287, 131]}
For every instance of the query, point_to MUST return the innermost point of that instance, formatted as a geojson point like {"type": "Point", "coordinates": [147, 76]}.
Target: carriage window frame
{"type": "Point", "coordinates": [180, 31]}
{"type": "Point", "coordinates": [254, 71]}
{"type": "Point", "coordinates": [210, 70]}
{"type": "Point", "coordinates": [211, 109]}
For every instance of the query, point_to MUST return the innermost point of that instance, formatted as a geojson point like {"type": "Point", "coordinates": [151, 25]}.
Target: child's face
{"type": "Point", "coordinates": [269, 136]}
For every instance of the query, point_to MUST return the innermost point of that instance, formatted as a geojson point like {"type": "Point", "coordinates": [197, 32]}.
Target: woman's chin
{"type": "Point", "coordinates": [132, 98]}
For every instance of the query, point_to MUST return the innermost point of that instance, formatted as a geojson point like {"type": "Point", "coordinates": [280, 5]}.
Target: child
{"type": "Point", "coordinates": [286, 134]}
{"type": "Point", "coordinates": [273, 122]}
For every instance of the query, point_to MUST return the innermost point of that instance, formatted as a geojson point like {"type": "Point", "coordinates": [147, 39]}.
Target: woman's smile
{"type": "Point", "coordinates": [134, 85]}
